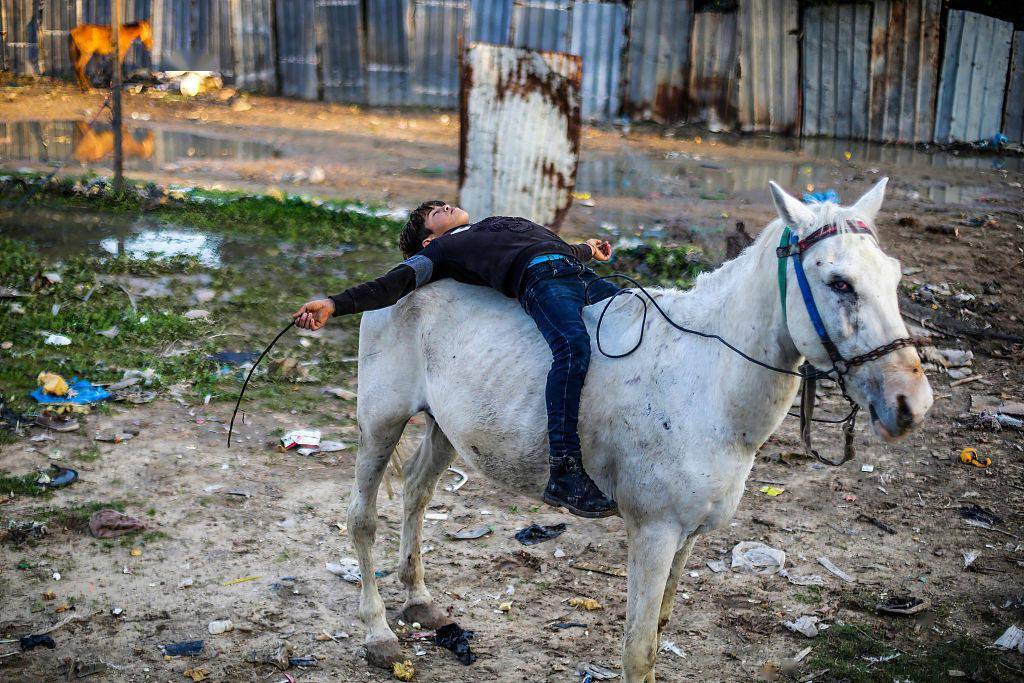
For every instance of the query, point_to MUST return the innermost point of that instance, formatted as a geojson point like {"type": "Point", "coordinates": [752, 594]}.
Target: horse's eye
{"type": "Point", "coordinates": [841, 286]}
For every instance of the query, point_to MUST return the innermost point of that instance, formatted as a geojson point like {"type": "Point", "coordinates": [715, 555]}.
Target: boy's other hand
{"type": "Point", "coordinates": [602, 249]}
{"type": "Point", "coordinates": [314, 315]}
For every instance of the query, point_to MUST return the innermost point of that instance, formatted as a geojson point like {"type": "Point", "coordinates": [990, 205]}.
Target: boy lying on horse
{"type": "Point", "coordinates": [522, 260]}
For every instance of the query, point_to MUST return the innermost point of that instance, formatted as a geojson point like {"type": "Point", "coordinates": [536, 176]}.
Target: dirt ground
{"type": "Point", "coordinates": [276, 518]}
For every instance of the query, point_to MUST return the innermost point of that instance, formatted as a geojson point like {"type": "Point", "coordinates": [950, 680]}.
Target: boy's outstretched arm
{"type": "Point", "coordinates": [379, 293]}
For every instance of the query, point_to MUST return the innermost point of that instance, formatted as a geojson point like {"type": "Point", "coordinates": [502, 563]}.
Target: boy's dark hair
{"type": "Point", "coordinates": [415, 230]}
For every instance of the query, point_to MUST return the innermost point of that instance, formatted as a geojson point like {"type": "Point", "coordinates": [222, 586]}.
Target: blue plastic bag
{"type": "Point", "coordinates": [80, 392]}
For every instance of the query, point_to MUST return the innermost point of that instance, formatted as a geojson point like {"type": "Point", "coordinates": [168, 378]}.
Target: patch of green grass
{"type": "Point", "coordinates": [657, 264]}
{"type": "Point", "coordinates": [812, 596]}
{"type": "Point", "coordinates": [77, 516]}
{"type": "Point", "coordinates": [846, 651]}
{"type": "Point", "coordinates": [90, 453]}
{"type": "Point", "coordinates": [24, 485]}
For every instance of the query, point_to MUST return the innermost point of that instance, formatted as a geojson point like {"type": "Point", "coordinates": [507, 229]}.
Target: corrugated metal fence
{"type": "Point", "coordinates": [867, 69]}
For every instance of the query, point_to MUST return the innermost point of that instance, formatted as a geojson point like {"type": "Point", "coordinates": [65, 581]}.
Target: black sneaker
{"type": "Point", "coordinates": [570, 487]}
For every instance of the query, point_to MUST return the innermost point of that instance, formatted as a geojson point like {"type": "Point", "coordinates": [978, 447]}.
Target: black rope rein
{"type": "Point", "coordinates": [245, 384]}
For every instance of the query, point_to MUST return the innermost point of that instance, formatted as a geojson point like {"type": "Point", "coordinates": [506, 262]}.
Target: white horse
{"type": "Point", "coordinates": [669, 431]}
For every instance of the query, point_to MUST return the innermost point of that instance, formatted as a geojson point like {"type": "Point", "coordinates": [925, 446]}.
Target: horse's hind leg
{"type": "Point", "coordinates": [376, 444]}
{"type": "Point", "coordinates": [81, 60]}
{"type": "Point", "coordinates": [432, 458]}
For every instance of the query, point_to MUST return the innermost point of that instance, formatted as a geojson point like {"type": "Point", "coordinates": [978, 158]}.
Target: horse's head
{"type": "Point", "coordinates": [146, 34]}
{"type": "Point", "coordinates": [854, 286]}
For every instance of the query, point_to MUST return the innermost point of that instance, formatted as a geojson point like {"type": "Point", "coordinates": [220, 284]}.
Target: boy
{"type": "Point", "coordinates": [522, 260]}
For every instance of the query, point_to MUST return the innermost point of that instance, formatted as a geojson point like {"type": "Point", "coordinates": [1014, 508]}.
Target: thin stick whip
{"type": "Point", "coordinates": [280, 334]}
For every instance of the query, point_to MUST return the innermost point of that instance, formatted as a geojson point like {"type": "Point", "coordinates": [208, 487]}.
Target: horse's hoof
{"type": "Point", "coordinates": [427, 614]}
{"type": "Point", "coordinates": [384, 652]}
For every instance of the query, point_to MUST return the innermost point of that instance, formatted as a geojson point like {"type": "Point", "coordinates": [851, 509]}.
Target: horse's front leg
{"type": "Point", "coordinates": [652, 550]}
{"type": "Point", "coordinates": [678, 565]}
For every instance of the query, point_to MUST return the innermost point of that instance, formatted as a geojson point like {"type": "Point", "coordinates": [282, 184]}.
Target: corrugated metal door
{"type": "Point", "coordinates": [253, 41]}
{"type": "Point", "coordinates": [598, 35]}
{"type": "Point", "coordinates": [836, 49]}
{"type": "Point", "coordinates": [1013, 114]}
{"type": "Point", "coordinates": [190, 35]}
{"type": "Point", "coordinates": [296, 48]}
{"type": "Point", "coordinates": [769, 84]}
{"type": "Point", "coordinates": [387, 52]}
{"type": "Point", "coordinates": [657, 59]}
{"type": "Point", "coordinates": [711, 86]}
{"type": "Point", "coordinates": [904, 70]}
{"type": "Point", "coordinates": [490, 21]}
{"type": "Point", "coordinates": [341, 50]}
{"type": "Point", "coordinates": [438, 28]}
{"type": "Point", "coordinates": [22, 25]}
{"type": "Point", "coordinates": [973, 77]}
{"type": "Point", "coordinates": [59, 17]}
{"type": "Point", "coordinates": [520, 132]}
{"type": "Point", "coordinates": [541, 24]}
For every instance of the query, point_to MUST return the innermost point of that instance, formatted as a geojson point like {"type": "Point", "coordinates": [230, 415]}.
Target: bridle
{"type": "Point", "coordinates": [790, 246]}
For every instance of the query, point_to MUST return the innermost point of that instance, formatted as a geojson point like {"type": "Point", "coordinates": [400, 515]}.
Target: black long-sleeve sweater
{"type": "Point", "coordinates": [493, 252]}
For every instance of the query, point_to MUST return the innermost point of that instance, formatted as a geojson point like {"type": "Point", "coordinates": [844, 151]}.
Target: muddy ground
{"type": "Point", "coordinates": [215, 515]}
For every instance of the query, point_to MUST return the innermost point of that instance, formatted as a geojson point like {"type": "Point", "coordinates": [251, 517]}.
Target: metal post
{"type": "Point", "coordinates": [115, 95]}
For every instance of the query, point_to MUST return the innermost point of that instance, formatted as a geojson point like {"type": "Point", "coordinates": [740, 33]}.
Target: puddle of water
{"type": "Point", "coordinates": [165, 244]}
{"type": "Point", "coordinates": [146, 148]}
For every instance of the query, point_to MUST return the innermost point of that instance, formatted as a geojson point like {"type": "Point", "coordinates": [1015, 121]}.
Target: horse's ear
{"type": "Point", "coordinates": [871, 202]}
{"type": "Point", "coordinates": [792, 211]}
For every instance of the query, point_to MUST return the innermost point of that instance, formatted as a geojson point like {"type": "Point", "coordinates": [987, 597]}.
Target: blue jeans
{"type": "Point", "coordinates": [553, 295]}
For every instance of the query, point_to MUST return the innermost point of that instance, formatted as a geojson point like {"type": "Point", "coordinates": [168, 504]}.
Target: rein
{"type": "Point", "coordinates": [790, 246]}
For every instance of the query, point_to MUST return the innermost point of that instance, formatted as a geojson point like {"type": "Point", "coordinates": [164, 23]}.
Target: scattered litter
{"type": "Point", "coordinates": [116, 437]}
{"type": "Point", "coordinates": [470, 534]}
{"type": "Point", "coordinates": [905, 605]}
{"type": "Point", "coordinates": [807, 626]}
{"type": "Point", "coordinates": [562, 625]}
{"type": "Point", "coordinates": [57, 423]}
{"type": "Point", "coordinates": [244, 579]}
{"type": "Point", "coordinates": [535, 533]}
{"type": "Point", "coordinates": [279, 656]}
{"type": "Point", "coordinates": [223, 626]}
{"type": "Point", "coordinates": [772, 490]}
{"type": "Point", "coordinates": [110, 332]}
{"type": "Point", "coordinates": [185, 647]}
{"type": "Point", "coordinates": [867, 468]}
{"type": "Point", "coordinates": [235, 358]}
{"type": "Point", "coordinates": [970, 556]}
{"type": "Point", "coordinates": [453, 637]}
{"type": "Point", "coordinates": [804, 580]}
{"type": "Point", "coordinates": [717, 566]}
{"type": "Point", "coordinates": [186, 583]}
{"type": "Point", "coordinates": [343, 394]}
{"type": "Point", "coordinates": [57, 340]}
{"type": "Point", "coordinates": [975, 515]}
{"type": "Point", "coordinates": [197, 314]}
{"type": "Point", "coordinates": [197, 674]}
{"type": "Point", "coordinates": [307, 438]}
{"type": "Point", "coordinates": [436, 516]}
{"type": "Point", "coordinates": [303, 661]}
{"type": "Point", "coordinates": [588, 604]}
{"type": "Point", "coordinates": [969, 456]}
{"type": "Point", "coordinates": [31, 642]}
{"type": "Point", "coordinates": [80, 392]}
{"type": "Point", "coordinates": [109, 523]}
{"type": "Point", "coordinates": [332, 446]}
{"type": "Point", "coordinates": [595, 672]}
{"type": "Point", "coordinates": [403, 671]}
{"type": "Point", "coordinates": [505, 606]}
{"type": "Point", "coordinates": [669, 646]}
{"type": "Point", "coordinates": [57, 477]}
{"type": "Point", "coordinates": [463, 478]}
{"type": "Point", "coordinates": [52, 384]}
{"type": "Point", "coordinates": [1012, 639]}
{"type": "Point", "coordinates": [753, 557]}
{"type": "Point", "coordinates": [347, 569]}
{"type": "Point", "coordinates": [600, 569]}
{"type": "Point", "coordinates": [19, 532]}
{"type": "Point", "coordinates": [799, 656]}
{"type": "Point", "coordinates": [832, 568]}
{"type": "Point", "coordinates": [876, 523]}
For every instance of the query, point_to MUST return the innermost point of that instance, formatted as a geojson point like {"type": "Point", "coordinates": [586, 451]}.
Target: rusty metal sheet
{"type": "Point", "coordinates": [657, 59]}
{"type": "Point", "coordinates": [769, 84]}
{"type": "Point", "coordinates": [711, 86]}
{"type": "Point", "coordinates": [904, 70]}
{"type": "Point", "coordinates": [255, 55]}
{"type": "Point", "coordinates": [836, 46]}
{"type": "Point", "coordinates": [520, 132]}
{"type": "Point", "coordinates": [598, 35]}
{"type": "Point", "coordinates": [1013, 114]}
{"type": "Point", "coordinates": [971, 87]}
